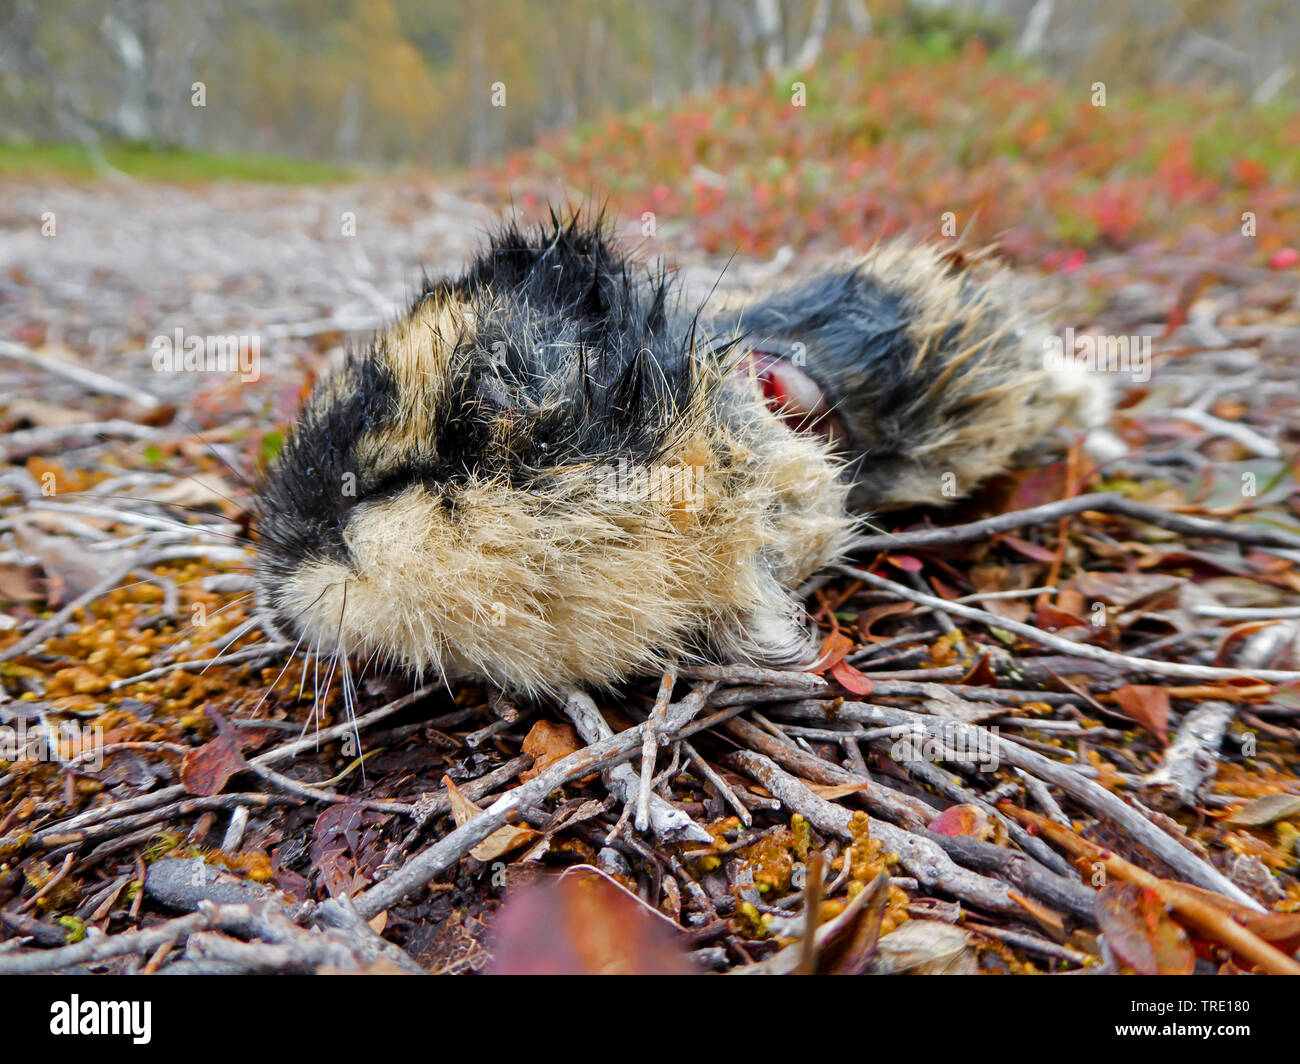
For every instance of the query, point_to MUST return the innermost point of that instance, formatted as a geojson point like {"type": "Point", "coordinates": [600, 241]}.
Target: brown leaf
{"type": "Point", "coordinates": [1124, 590]}
{"type": "Point", "coordinates": [206, 770]}
{"type": "Point", "coordinates": [871, 615]}
{"type": "Point", "coordinates": [1148, 706]}
{"type": "Point", "coordinates": [548, 742]}
{"type": "Point", "coordinates": [980, 674]}
{"type": "Point", "coordinates": [1141, 932]}
{"type": "Point", "coordinates": [502, 841]}
{"type": "Point", "coordinates": [832, 791]}
{"type": "Point", "coordinates": [69, 570]}
{"type": "Point", "coordinates": [834, 649]}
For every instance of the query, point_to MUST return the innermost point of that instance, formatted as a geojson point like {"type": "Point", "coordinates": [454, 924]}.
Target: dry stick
{"type": "Point", "coordinates": [901, 808]}
{"type": "Point", "coordinates": [61, 836]}
{"type": "Point", "coordinates": [665, 818]}
{"type": "Point", "coordinates": [87, 378]}
{"type": "Point", "coordinates": [1192, 758]}
{"type": "Point", "coordinates": [748, 674]}
{"type": "Point", "coordinates": [1078, 650]}
{"type": "Point", "coordinates": [247, 654]}
{"type": "Point", "coordinates": [421, 869]}
{"type": "Point", "coordinates": [650, 749]}
{"type": "Point", "coordinates": [1205, 916]}
{"type": "Point", "coordinates": [1039, 792]}
{"type": "Point", "coordinates": [1105, 502]}
{"type": "Point", "coordinates": [17, 446]}
{"type": "Point", "coordinates": [719, 784]}
{"type": "Point", "coordinates": [933, 868]}
{"type": "Point", "coordinates": [118, 810]}
{"type": "Point", "coordinates": [1089, 794]}
{"type": "Point", "coordinates": [98, 949]}
{"type": "Point", "coordinates": [328, 797]}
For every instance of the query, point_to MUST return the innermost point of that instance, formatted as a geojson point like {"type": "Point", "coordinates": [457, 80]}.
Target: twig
{"type": "Point", "coordinates": [1104, 502]}
{"type": "Point", "coordinates": [719, 784]}
{"type": "Point", "coordinates": [1233, 430]}
{"type": "Point", "coordinates": [1038, 789]}
{"type": "Point", "coordinates": [87, 378]}
{"type": "Point", "coordinates": [431, 862]}
{"type": "Point", "coordinates": [650, 749]}
{"type": "Point", "coordinates": [1206, 917]}
{"type": "Point", "coordinates": [933, 868]}
{"type": "Point", "coordinates": [1191, 759]}
{"type": "Point", "coordinates": [1148, 666]}
{"type": "Point", "coordinates": [666, 819]}
{"type": "Point", "coordinates": [24, 443]}
{"type": "Point", "coordinates": [953, 733]}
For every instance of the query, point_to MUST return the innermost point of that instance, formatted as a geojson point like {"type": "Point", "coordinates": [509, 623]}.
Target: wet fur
{"type": "Point", "coordinates": [444, 502]}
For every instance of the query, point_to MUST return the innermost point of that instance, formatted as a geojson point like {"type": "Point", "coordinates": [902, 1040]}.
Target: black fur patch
{"type": "Point", "coordinates": [577, 357]}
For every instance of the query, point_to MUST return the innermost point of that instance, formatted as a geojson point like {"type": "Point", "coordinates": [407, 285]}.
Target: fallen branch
{"type": "Point", "coordinates": [1148, 666]}
{"type": "Point", "coordinates": [1104, 502]}
{"type": "Point", "coordinates": [1091, 795]}
{"type": "Point", "coordinates": [933, 868]}
{"type": "Point", "coordinates": [1192, 758]}
{"type": "Point", "coordinates": [1208, 918]}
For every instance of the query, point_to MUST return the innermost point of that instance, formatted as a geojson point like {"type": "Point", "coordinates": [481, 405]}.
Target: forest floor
{"type": "Point", "coordinates": [1063, 740]}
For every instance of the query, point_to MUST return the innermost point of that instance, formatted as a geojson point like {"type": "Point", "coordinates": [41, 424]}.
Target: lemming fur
{"type": "Point", "coordinates": [444, 502]}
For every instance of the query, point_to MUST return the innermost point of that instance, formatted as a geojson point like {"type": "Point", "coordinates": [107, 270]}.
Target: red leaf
{"type": "Point", "coordinates": [1141, 932]}
{"type": "Point", "coordinates": [850, 679]}
{"type": "Point", "coordinates": [968, 820]}
{"type": "Point", "coordinates": [1029, 550]}
{"type": "Point", "coordinates": [833, 651]}
{"type": "Point", "coordinates": [206, 770]}
{"type": "Point", "coordinates": [905, 562]}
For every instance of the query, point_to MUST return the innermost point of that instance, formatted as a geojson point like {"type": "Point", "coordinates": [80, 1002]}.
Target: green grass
{"type": "Point", "coordinates": [161, 164]}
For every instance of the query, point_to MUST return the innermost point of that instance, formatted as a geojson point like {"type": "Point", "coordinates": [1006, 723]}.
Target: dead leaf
{"type": "Point", "coordinates": [1141, 932]}
{"type": "Point", "coordinates": [966, 819]}
{"type": "Point", "coordinates": [583, 923]}
{"type": "Point", "coordinates": [198, 490]}
{"type": "Point", "coordinates": [1268, 809]}
{"type": "Point", "coordinates": [502, 841]}
{"type": "Point", "coordinates": [872, 614]}
{"type": "Point", "coordinates": [832, 791]}
{"type": "Point", "coordinates": [548, 742]}
{"type": "Point", "coordinates": [1148, 706]}
{"type": "Point", "coordinates": [1123, 590]}
{"type": "Point", "coordinates": [942, 702]}
{"type": "Point", "coordinates": [926, 947]}
{"type": "Point", "coordinates": [69, 570]}
{"type": "Point", "coordinates": [47, 415]}
{"type": "Point", "coordinates": [834, 649]}
{"type": "Point", "coordinates": [206, 770]}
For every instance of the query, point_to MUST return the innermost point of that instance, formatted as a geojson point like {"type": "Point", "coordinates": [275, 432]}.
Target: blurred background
{"type": "Point", "coordinates": [385, 81]}
{"type": "Point", "coordinates": [292, 167]}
